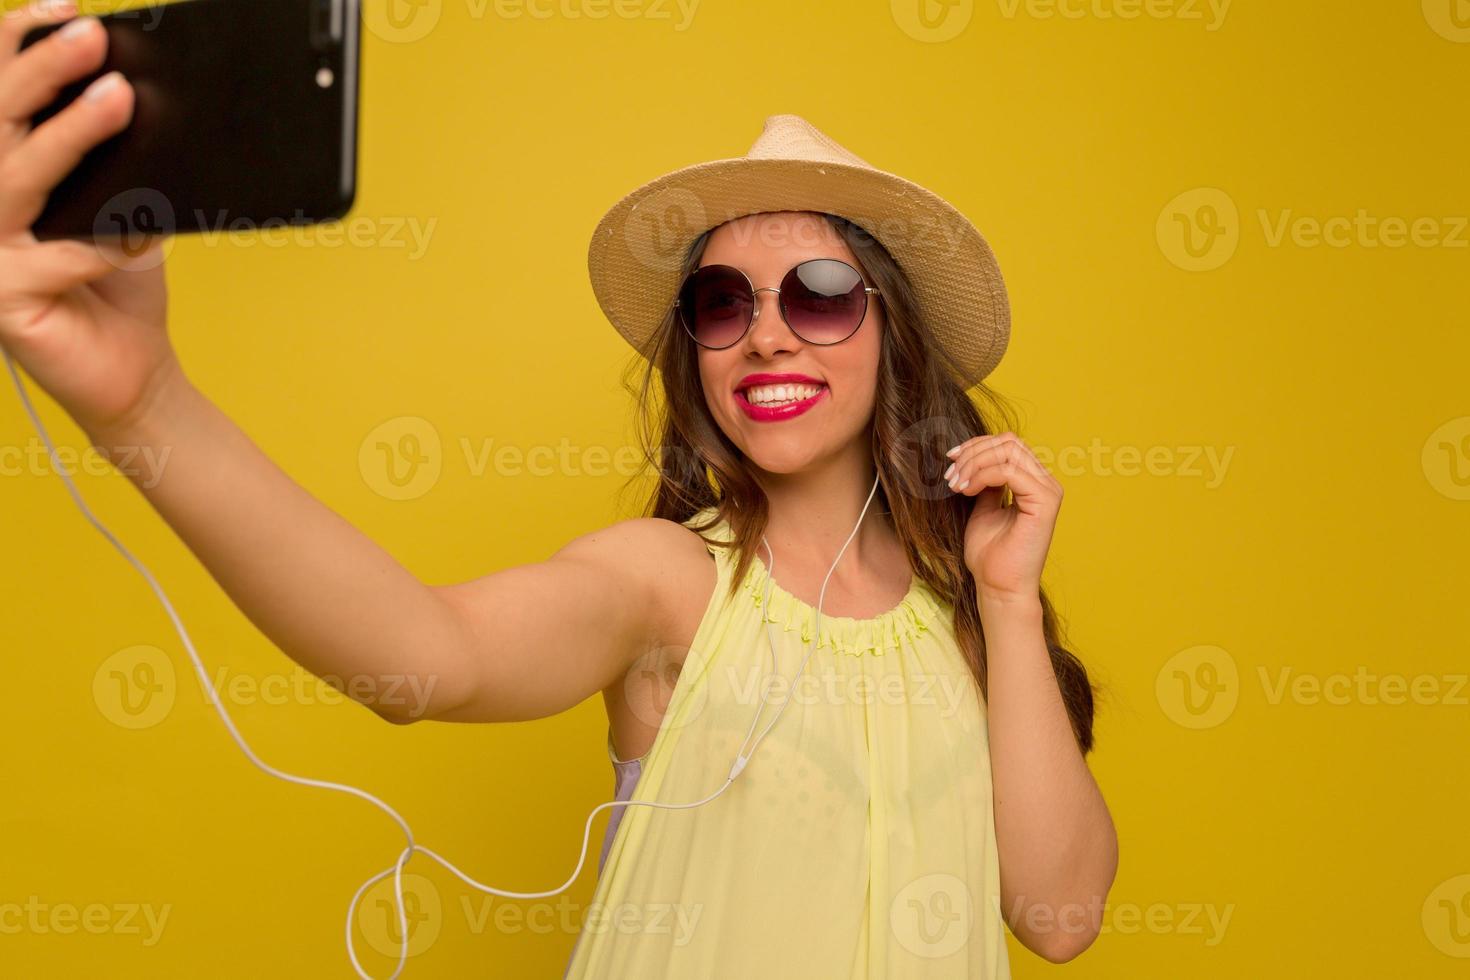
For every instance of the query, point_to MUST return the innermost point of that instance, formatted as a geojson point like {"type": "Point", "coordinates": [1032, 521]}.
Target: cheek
{"type": "Point", "coordinates": [708, 372]}
{"type": "Point", "coordinates": [713, 379]}
{"type": "Point", "coordinates": [860, 369]}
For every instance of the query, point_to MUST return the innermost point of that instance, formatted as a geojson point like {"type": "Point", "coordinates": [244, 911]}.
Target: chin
{"type": "Point", "coordinates": [772, 460]}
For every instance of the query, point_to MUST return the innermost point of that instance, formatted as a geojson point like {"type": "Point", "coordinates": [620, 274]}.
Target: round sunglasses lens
{"type": "Point", "coordinates": [715, 304]}
{"type": "Point", "coordinates": [825, 300]}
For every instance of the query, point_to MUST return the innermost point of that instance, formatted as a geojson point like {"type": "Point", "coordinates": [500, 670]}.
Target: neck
{"type": "Point", "coordinates": [813, 512]}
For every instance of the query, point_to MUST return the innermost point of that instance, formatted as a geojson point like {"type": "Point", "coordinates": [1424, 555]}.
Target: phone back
{"type": "Point", "coordinates": [245, 115]}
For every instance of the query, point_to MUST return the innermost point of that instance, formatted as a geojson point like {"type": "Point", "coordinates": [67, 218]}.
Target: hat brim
{"type": "Point", "coordinates": [638, 246]}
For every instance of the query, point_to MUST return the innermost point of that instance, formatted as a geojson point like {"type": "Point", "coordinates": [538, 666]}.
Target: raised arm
{"type": "Point", "coordinates": [525, 642]}
{"type": "Point", "coordinates": [88, 324]}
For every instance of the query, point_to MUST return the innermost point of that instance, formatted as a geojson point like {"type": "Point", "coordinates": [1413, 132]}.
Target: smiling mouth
{"type": "Point", "coordinates": [781, 404]}
{"type": "Point", "coordinates": [778, 396]}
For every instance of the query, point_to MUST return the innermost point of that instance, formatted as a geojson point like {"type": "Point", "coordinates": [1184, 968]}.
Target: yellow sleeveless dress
{"type": "Point", "coordinates": [858, 843]}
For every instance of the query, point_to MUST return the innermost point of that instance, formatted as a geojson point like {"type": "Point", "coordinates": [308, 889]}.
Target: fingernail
{"type": "Point", "coordinates": [949, 473]}
{"type": "Point", "coordinates": [102, 86]}
{"type": "Point", "coordinates": [962, 486]}
{"type": "Point", "coordinates": [76, 28]}
{"type": "Point", "coordinates": [953, 451]}
{"type": "Point", "coordinates": [47, 8]}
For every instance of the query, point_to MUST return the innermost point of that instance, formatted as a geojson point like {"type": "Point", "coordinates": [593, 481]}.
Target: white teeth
{"type": "Point", "coordinates": [774, 395]}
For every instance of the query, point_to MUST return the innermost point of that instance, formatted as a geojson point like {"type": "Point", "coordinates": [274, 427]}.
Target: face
{"type": "Point", "coordinates": [765, 247]}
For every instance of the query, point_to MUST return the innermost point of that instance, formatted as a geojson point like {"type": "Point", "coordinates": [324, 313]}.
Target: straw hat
{"type": "Point", "coordinates": [639, 245]}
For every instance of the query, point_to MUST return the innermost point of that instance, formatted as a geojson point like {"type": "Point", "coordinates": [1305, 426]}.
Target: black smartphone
{"type": "Point", "coordinates": [245, 116]}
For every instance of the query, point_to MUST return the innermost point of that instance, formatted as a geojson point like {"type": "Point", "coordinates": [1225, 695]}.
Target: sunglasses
{"type": "Point", "coordinates": [823, 301]}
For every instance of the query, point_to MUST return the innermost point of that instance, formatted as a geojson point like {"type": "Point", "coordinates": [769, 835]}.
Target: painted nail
{"type": "Point", "coordinates": [76, 28]}
{"type": "Point", "coordinates": [962, 486]}
{"type": "Point", "coordinates": [102, 86]}
{"type": "Point", "coordinates": [952, 451]}
{"type": "Point", "coordinates": [949, 473]}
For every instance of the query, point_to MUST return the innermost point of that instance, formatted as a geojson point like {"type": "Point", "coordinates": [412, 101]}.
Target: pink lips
{"type": "Point", "coordinates": [763, 413]}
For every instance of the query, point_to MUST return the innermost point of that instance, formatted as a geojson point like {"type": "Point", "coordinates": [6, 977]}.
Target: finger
{"type": "Point", "coordinates": [969, 449]}
{"type": "Point", "coordinates": [1008, 472]}
{"type": "Point", "coordinates": [954, 451]}
{"type": "Point", "coordinates": [118, 286]}
{"type": "Point", "coordinates": [50, 268]}
{"type": "Point", "coordinates": [29, 172]}
{"type": "Point", "coordinates": [978, 447]}
{"type": "Point", "coordinates": [35, 77]}
{"type": "Point", "coordinates": [1003, 453]}
{"type": "Point", "coordinates": [1028, 458]}
{"type": "Point", "coordinates": [17, 23]}
{"type": "Point", "coordinates": [961, 452]}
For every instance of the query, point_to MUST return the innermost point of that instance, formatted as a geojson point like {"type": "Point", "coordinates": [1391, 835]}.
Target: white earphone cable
{"type": "Point", "coordinates": [396, 870]}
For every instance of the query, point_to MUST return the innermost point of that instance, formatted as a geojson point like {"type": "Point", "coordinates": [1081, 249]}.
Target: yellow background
{"type": "Point", "coordinates": [1264, 833]}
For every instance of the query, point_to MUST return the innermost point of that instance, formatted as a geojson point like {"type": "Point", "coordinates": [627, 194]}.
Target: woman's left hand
{"type": "Point", "coordinates": [1006, 545]}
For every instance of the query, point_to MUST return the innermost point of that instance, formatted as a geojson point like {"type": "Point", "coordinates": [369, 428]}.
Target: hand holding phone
{"type": "Point", "coordinates": [84, 318]}
{"type": "Point", "coordinates": [120, 130]}
{"type": "Point", "coordinates": [246, 117]}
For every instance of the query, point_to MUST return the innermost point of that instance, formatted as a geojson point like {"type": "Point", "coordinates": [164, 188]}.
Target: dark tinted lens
{"type": "Point", "coordinates": [824, 300]}
{"type": "Point", "coordinates": [715, 304]}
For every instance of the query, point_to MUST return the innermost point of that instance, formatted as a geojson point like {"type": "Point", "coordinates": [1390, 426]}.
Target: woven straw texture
{"type": "Point", "coordinates": [639, 245]}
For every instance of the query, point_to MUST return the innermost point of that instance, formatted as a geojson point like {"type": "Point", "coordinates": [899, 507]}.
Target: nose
{"type": "Point", "coordinates": [769, 331]}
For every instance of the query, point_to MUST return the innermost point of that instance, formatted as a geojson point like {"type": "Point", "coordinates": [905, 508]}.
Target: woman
{"type": "Point", "coordinates": [926, 780]}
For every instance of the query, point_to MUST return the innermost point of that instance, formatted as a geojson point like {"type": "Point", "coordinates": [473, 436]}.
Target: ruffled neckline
{"type": "Point", "coordinates": [892, 629]}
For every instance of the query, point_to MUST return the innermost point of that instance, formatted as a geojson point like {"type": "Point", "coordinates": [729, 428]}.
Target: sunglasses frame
{"type": "Point", "coordinates": [755, 306]}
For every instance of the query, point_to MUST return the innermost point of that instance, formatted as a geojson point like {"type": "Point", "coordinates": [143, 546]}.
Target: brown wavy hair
{"type": "Point", "coordinates": [921, 410]}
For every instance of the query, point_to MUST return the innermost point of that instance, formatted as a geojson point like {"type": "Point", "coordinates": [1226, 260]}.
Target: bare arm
{"type": "Point", "coordinates": [1058, 847]}
{"type": "Point", "coordinates": [87, 322]}
{"type": "Point", "coordinates": [521, 643]}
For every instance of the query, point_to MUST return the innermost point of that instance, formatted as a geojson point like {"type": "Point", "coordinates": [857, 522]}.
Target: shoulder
{"type": "Point", "coordinates": [662, 560]}
{"type": "Point", "coordinates": [641, 544]}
